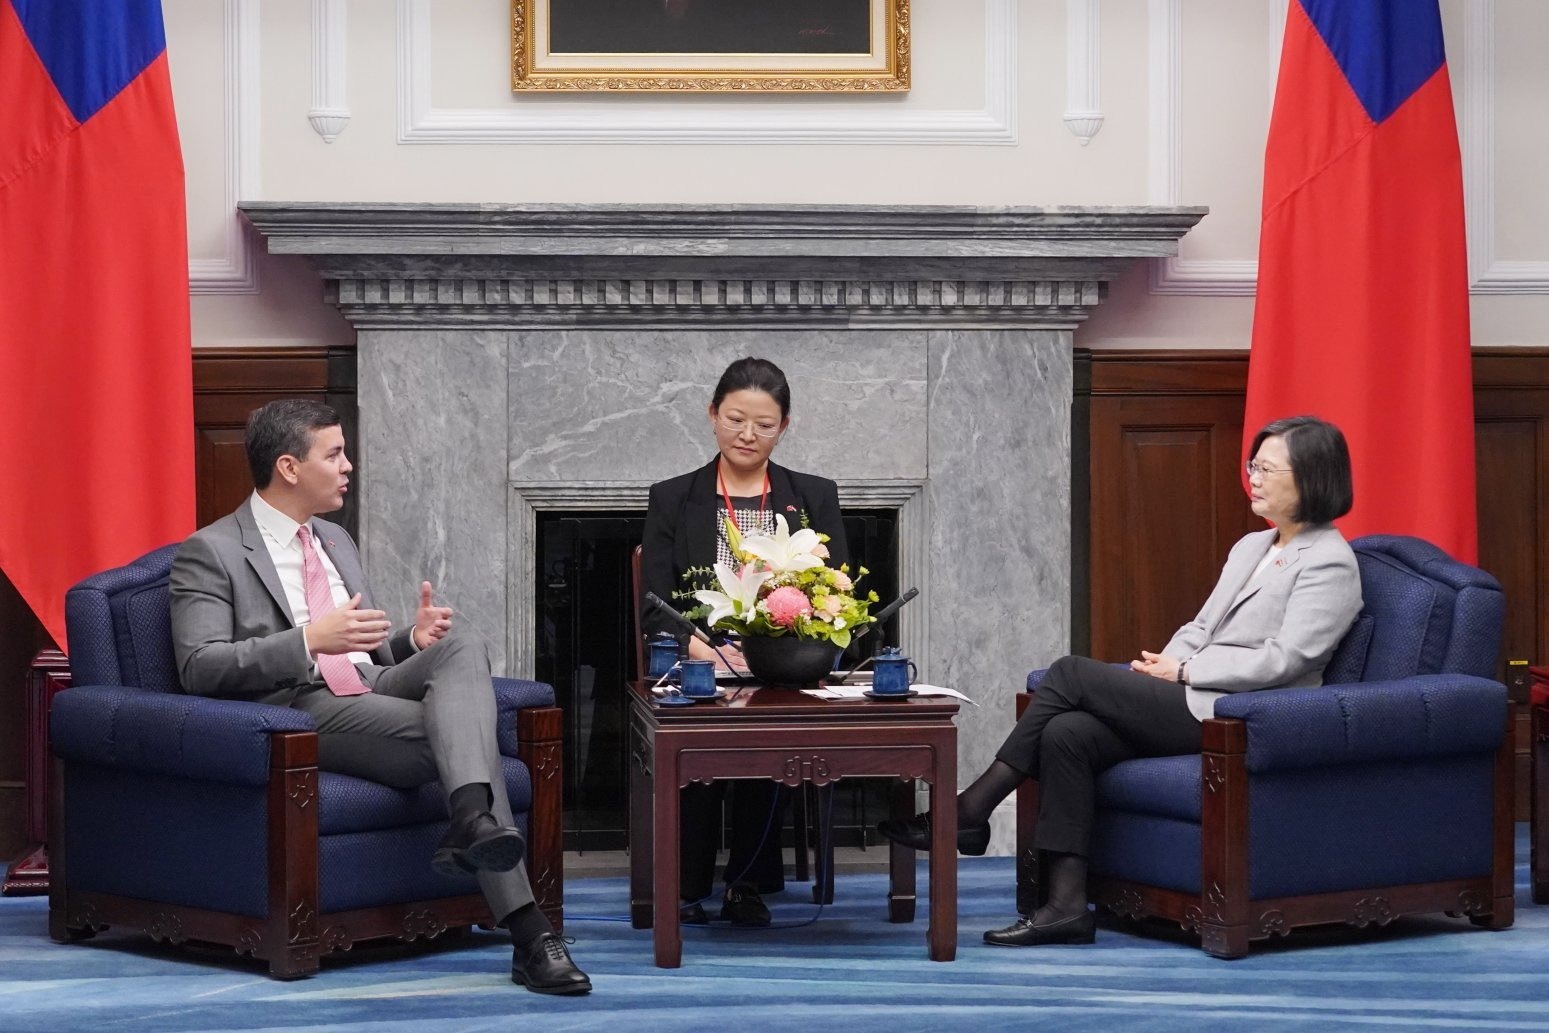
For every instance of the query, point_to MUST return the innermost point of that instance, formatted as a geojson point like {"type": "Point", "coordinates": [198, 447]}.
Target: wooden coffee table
{"type": "Point", "coordinates": [788, 736]}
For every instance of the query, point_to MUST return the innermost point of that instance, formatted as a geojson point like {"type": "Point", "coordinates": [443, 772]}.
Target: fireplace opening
{"type": "Point", "coordinates": [583, 647]}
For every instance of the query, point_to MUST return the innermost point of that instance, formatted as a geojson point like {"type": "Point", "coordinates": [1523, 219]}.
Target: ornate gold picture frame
{"type": "Point", "coordinates": [710, 46]}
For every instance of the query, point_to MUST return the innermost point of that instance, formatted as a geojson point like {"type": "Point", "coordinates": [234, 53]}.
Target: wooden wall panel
{"type": "Point", "coordinates": [1166, 500]}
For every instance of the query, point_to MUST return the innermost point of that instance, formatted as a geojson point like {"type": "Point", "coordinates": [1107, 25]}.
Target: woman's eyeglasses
{"type": "Point", "coordinates": [1258, 469]}
{"type": "Point", "coordinates": [737, 424]}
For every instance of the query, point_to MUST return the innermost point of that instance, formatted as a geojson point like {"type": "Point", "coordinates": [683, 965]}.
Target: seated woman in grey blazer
{"type": "Point", "coordinates": [1285, 599]}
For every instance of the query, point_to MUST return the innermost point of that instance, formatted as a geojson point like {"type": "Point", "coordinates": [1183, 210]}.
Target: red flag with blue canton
{"type": "Point", "coordinates": [1362, 310]}
{"type": "Point", "coordinates": [95, 361]}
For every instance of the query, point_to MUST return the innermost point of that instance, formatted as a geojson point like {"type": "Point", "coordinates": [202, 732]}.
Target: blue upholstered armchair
{"type": "Point", "coordinates": [200, 819]}
{"type": "Point", "coordinates": [1387, 791]}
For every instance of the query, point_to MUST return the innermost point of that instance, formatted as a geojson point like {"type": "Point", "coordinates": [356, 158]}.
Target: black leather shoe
{"type": "Point", "coordinates": [915, 832]}
{"type": "Point", "coordinates": [1080, 928]}
{"type": "Point", "coordinates": [744, 907]}
{"type": "Point", "coordinates": [543, 965]}
{"type": "Point", "coordinates": [692, 913]}
{"type": "Point", "coordinates": [479, 844]}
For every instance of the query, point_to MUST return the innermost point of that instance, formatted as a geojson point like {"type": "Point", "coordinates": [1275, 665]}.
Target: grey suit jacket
{"type": "Point", "coordinates": [232, 631]}
{"type": "Point", "coordinates": [1281, 628]}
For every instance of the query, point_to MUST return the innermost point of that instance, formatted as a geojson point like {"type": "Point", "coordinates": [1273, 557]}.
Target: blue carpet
{"type": "Point", "coordinates": [849, 971]}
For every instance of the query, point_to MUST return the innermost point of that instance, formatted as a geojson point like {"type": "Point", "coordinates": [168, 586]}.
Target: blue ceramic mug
{"type": "Point", "coordinates": [892, 673]}
{"type": "Point", "coordinates": [663, 654]}
{"type": "Point", "coordinates": [696, 678]}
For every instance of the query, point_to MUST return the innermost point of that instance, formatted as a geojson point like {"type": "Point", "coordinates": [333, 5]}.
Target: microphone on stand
{"type": "Point", "coordinates": [671, 613]}
{"type": "Point", "coordinates": [881, 615]}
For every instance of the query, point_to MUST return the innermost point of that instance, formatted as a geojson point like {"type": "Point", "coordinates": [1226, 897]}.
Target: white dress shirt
{"type": "Point", "coordinates": [284, 545]}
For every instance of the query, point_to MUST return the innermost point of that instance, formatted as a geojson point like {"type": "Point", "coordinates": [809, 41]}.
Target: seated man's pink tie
{"type": "Point", "coordinates": [340, 675]}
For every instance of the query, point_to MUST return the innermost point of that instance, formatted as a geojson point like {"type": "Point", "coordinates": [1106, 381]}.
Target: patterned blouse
{"type": "Point", "coordinates": [748, 523]}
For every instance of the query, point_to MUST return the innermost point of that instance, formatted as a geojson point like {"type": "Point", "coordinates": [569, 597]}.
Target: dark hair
{"type": "Point", "coordinates": [283, 428]}
{"type": "Point", "coordinates": [1320, 466]}
{"type": "Point", "coordinates": [752, 374]}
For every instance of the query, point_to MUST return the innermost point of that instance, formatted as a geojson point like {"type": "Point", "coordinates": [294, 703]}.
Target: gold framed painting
{"type": "Point", "coordinates": [718, 46]}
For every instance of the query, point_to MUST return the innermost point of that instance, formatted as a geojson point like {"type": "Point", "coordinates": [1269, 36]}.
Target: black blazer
{"type": "Point", "coordinates": [680, 527]}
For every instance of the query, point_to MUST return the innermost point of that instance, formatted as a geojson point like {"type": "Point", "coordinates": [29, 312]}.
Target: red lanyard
{"type": "Point", "coordinates": [726, 495]}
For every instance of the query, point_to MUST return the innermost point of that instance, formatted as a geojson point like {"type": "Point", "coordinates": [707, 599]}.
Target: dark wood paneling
{"type": "Point", "coordinates": [1166, 501]}
{"type": "Point", "coordinates": [228, 384]}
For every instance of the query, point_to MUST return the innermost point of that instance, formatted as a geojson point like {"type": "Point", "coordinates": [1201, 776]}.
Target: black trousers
{"type": "Point", "coordinates": [753, 857]}
{"type": "Point", "coordinates": [1086, 717]}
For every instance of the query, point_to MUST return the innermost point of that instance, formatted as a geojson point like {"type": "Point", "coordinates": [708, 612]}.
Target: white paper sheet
{"type": "Point", "coordinates": [859, 692]}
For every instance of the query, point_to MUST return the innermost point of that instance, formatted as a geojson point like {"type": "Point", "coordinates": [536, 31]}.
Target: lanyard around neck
{"type": "Point", "coordinates": [731, 511]}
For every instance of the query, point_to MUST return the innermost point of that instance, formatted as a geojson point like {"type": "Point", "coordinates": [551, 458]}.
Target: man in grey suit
{"type": "Point", "coordinates": [269, 604]}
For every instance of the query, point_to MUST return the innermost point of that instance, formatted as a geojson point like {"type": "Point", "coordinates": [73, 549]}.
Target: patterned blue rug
{"type": "Point", "coordinates": [849, 970]}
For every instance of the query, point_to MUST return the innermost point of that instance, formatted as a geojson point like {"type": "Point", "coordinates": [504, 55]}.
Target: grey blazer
{"type": "Point", "coordinates": [1281, 628]}
{"type": "Point", "coordinates": [232, 632]}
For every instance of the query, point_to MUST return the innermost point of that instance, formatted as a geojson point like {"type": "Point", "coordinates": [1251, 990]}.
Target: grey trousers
{"type": "Point", "coordinates": [433, 715]}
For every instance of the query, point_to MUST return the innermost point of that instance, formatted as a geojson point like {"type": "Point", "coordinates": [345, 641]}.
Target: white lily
{"type": "Point", "coordinates": [785, 553]}
{"type": "Point", "coordinates": [738, 595]}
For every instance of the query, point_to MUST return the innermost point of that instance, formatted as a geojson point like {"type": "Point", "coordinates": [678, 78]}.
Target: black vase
{"type": "Point", "coordinates": [788, 660]}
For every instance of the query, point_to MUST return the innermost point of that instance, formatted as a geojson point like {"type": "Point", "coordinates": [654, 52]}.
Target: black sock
{"type": "Point", "coordinates": [469, 800]}
{"type": "Point", "coordinates": [1067, 887]}
{"type": "Point", "coordinates": [527, 923]}
{"type": "Point", "coordinates": [978, 801]}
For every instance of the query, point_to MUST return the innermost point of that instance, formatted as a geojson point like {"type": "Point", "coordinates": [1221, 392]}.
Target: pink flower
{"type": "Point", "coordinates": [820, 551]}
{"type": "Point", "coordinates": [842, 582]}
{"type": "Point", "coordinates": [786, 604]}
{"type": "Point", "coordinates": [830, 605]}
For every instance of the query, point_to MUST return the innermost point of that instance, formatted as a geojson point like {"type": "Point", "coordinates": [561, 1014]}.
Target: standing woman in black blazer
{"type": "Point", "coordinates": [685, 527]}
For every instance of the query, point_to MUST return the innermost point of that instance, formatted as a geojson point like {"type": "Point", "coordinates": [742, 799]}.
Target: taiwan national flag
{"type": "Point", "coordinates": [96, 394]}
{"type": "Point", "coordinates": [1362, 310]}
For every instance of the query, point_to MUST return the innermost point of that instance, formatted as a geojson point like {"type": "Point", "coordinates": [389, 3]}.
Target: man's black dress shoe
{"type": "Point", "coordinates": [479, 844]}
{"type": "Point", "coordinates": [915, 832]}
{"type": "Point", "coordinates": [1080, 928]}
{"type": "Point", "coordinates": [744, 907]}
{"type": "Point", "coordinates": [692, 913]}
{"type": "Point", "coordinates": [543, 965]}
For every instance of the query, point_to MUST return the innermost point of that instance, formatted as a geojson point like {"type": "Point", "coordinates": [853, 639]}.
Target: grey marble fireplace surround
{"type": "Point", "coordinates": [518, 358]}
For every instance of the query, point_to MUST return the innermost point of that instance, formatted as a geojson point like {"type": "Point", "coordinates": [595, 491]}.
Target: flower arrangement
{"type": "Point", "coordinates": [784, 588]}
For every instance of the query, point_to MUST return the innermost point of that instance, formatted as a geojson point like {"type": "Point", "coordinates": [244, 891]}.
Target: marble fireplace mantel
{"type": "Point", "coordinates": [518, 358]}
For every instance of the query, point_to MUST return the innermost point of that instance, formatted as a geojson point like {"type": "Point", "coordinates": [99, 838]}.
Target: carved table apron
{"type": "Point", "coordinates": [792, 738]}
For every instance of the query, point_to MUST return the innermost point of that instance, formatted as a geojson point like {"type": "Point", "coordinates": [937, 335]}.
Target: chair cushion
{"type": "Point", "coordinates": [104, 613]}
{"type": "Point", "coordinates": [1164, 786]}
{"type": "Point", "coordinates": [143, 628]}
{"type": "Point", "coordinates": [348, 804]}
{"type": "Point", "coordinates": [1431, 613]}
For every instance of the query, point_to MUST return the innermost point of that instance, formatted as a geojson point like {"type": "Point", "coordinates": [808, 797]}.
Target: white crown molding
{"type": "Point", "coordinates": [235, 272]}
{"type": "Point", "coordinates": [1083, 68]}
{"type": "Point", "coordinates": [730, 121]}
{"type": "Point", "coordinates": [1212, 277]}
{"type": "Point", "coordinates": [1215, 277]}
{"type": "Point", "coordinates": [1487, 274]}
{"type": "Point", "coordinates": [330, 111]}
